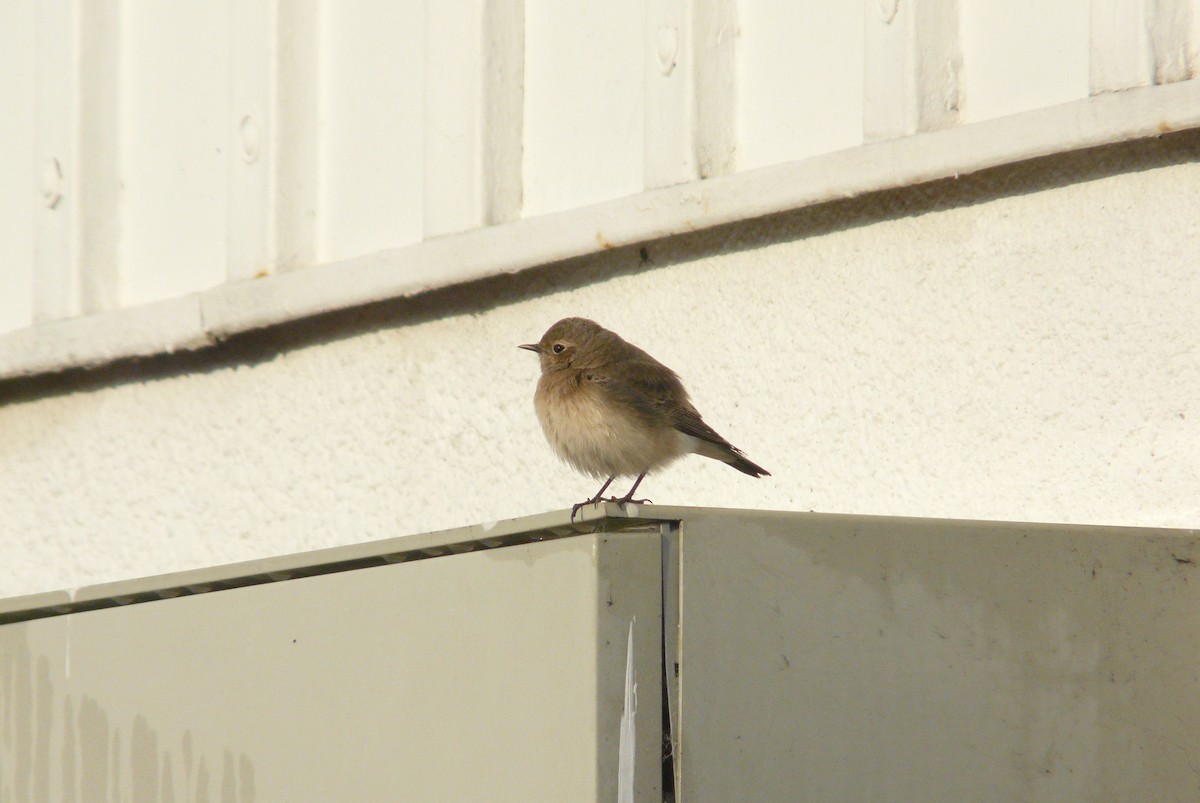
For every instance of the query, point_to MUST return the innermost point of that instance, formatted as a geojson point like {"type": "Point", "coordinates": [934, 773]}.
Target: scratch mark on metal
{"type": "Point", "coordinates": [627, 750]}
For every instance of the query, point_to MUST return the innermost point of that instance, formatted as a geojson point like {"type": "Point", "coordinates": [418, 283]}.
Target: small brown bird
{"type": "Point", "coordinates": [611, 410]}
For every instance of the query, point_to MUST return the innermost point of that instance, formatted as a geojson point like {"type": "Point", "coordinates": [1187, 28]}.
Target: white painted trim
{"type": "Point", "coordinates": [199, 319]}
{"type": "Point", "coordinates": [160, 327]}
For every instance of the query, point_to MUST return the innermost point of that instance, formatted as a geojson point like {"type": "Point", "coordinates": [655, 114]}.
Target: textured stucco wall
{"type": "Point", "coordinates": [1016, 345]}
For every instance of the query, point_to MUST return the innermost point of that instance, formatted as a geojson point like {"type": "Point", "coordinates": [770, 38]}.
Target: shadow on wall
{"type": "Point", "coordinates": [1036, 175]}
{"type": "Point", "coordinates": [55, 745]}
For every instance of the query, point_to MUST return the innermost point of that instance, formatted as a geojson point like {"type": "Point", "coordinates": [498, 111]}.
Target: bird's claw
{"type": "Point", "coordinates": [578, 506]}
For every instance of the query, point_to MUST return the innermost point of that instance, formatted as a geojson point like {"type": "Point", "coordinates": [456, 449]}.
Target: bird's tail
{"type": "Point", "coordinates": [727, 453]}
{"type": "Point", "coordinates": [744, 464]}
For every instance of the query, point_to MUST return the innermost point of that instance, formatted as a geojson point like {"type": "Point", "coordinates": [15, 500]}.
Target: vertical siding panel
{"type": "Point", "coordinates": [250, 207]}
{"type": "Point", "coordinates": [715, 35]}
{"type": "Point", "coordinates": [504, 109]}
{"type": "Point", "coordinates": [938, 45]}
{"type": "Point", "coordinates": [1022, 55]}
{"type": "Point", "coordinates": [1121, 54]}
{"type": "Point", "coordinates": [77, 143]}
{"type": "Point", "coordinates": [800, 79]}
{"type": "Point", "coordinates": [889, 71]}
{"type": "Point", "coordinates": [175, 138]}
{"type": "Point", "coordinates": [670, 153]}
{"type": "Point", "coordinates": [371, 151]}
{"type": "Point", "coordinates": [296, 129]}
{"type": "Point", "coordinates": [1174, 30]}
{"type": "Point", "coordinates": [273, 129]}
{"type": "Point", "coordinates": [584, 103]}
{"type": "Point", "coordinates": [454, 112]}
{"type": "Point", "coordinates": [913, 62]}
{"type": "Point", "coordinates": [20, 193]}
{"type": "Point", "coordinates": [99, 150]}
{"type": "Point", "coordinates": [56, 282]}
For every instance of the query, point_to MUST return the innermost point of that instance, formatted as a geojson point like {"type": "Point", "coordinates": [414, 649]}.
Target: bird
{"type": "Point", "coordinates": [609, 409]}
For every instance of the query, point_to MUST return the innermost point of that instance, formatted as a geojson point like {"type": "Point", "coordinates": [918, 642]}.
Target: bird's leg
{"type": "Point", "coordinates": [628, 498]}
{"type": "Point", "coordinates": [595, 499]}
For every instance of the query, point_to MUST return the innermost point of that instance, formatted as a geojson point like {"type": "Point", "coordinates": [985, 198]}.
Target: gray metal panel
{"type": "Point", "coordinates": [496, 674]}
{"type": "Point", "coordinates": [846, 658]}
{"type": "Point", "coordinates": [820, 657]}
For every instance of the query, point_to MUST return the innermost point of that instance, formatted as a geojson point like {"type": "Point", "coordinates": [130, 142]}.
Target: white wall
{"type": "Point", "coordinates": [1013, 351]}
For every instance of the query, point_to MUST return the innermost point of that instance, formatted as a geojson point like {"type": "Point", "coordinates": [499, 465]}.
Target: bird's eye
{"type": "Point", "coordinates": [559, 348]}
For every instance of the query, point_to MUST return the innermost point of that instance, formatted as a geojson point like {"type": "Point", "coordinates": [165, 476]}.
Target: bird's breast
{"type": "Point", "coordinates": [596, 434]}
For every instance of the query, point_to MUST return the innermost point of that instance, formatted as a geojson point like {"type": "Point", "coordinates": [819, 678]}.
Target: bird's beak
{"type": "Point", "coordinates": [531, 347]}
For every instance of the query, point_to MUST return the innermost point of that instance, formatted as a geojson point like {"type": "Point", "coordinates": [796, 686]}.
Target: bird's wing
{"type": "Point", "coordinates": [689, 422]}
{"type": "Point", "coordinates": [658, 397]}
{"type": "Point", "coordinates": [656, 393]}
{"type": "Point", "coordinates": [650, 389]}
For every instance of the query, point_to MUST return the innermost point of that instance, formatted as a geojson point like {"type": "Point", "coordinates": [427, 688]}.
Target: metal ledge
{"type": "Point", "coordinates": [607, 517]}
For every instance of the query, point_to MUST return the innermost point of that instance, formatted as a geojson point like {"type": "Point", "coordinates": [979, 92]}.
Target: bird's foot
{"type": "Point", "coordinates": [578, 506]}
{"type": "Point", "coordinates": [594, 502]}
{"type": "Point", "coordinates": [625, 500]}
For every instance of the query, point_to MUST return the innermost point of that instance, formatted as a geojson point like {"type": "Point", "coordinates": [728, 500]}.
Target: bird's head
{"type": "Point", "coordinates": [564, 343]}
